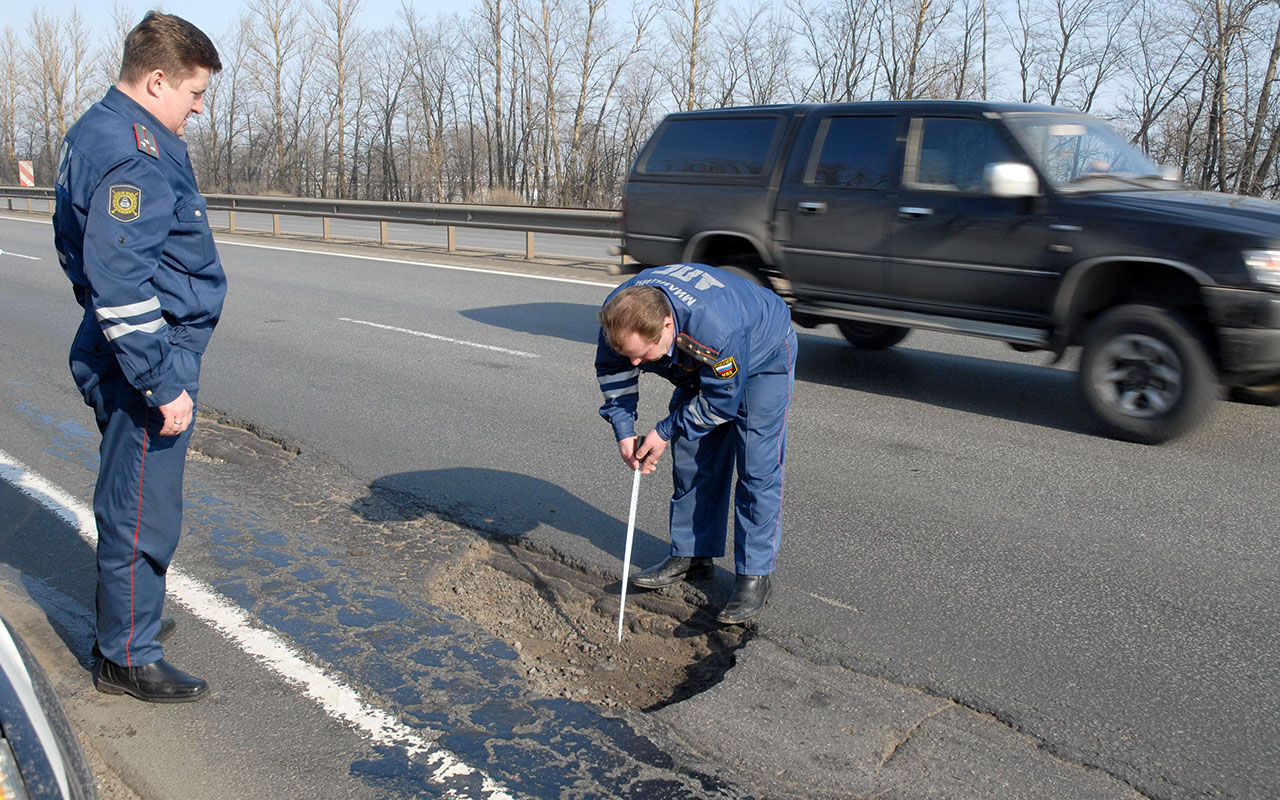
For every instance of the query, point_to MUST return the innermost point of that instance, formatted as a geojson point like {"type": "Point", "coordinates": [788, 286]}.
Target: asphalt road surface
{"type": "Point", "coordinates": [1079, 617]}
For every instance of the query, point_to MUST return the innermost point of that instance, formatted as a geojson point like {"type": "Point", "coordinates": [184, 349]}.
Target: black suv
{"type": "Point", "coordinates": [1033, 225]}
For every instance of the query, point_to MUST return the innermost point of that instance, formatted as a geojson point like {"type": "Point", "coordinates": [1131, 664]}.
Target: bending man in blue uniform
{"type": "Point", "coordinates": [729, 348]}
{"type": "Point", "coordinates": [132, 235]}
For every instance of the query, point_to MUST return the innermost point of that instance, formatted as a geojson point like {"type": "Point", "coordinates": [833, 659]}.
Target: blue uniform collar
{"type": "Point", "coordinates": [170, 143]}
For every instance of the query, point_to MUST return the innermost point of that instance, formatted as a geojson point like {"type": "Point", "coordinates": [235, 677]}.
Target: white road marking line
{"type": "Point", "coordinates": [20, 255]}
{"type": "Point", "coordinates": [422, 264]}
{"type": "Point", "coordinates": [520, 353]}
{"type": "Point", "coordinates": [39, 220]}
{"type": "Point", "coordinates": [335, 697]}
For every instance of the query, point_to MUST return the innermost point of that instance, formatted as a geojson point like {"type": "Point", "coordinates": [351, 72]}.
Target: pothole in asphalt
{"type": "Point", "coordinates": [563, 624]}
{"type": "Point", "coordinates": [219, 440]}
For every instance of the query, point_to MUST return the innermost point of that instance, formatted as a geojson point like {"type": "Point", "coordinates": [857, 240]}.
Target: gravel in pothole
{"type": "Point", "coordinates": [563, 623]}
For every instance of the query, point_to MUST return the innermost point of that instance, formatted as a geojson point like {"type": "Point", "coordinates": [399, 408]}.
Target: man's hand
{"type": "Point", "coordinates": [642, 454]}
{"type": "Point", "coordinates": [177, 414]}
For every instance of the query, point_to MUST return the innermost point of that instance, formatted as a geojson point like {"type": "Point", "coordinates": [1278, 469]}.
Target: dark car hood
{"type": "Point", "coordinates": [1246, 214]}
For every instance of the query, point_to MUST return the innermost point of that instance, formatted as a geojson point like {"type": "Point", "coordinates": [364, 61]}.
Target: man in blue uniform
{"type": "Point", "coordinates": [729, 348]}
{"type": "Point", "coordinates": [133, 236]}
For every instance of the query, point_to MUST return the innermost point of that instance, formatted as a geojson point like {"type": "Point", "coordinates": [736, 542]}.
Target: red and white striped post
{"type": "Point", "coordinates": [26, 174]}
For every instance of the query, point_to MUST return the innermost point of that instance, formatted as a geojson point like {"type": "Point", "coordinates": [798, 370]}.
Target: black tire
{"type": "Point", "coordinates": [1145, 374]}
{"type": "Point", "coordinates": [871, 335]}
{"type": "Point", "coordinates": [1266, 393]}
{"type": "Point", "coordinates": [744, 270]}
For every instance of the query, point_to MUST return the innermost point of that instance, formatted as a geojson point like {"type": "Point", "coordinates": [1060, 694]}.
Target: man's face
{"type": "Point", "coordinates": [176, 103]}
{"type": "Point", "coordinates": [637, 350]}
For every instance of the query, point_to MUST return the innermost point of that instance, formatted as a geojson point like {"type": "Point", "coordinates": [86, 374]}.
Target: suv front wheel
{"type": "Point", "coordinates": [1145, 374]}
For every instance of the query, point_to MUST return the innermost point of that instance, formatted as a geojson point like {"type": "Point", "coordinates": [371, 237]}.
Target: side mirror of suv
{"type": "Point", "coordinates": [1010, 180]}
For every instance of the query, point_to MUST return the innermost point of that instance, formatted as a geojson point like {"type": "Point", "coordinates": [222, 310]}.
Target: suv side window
{"type": "Point", "coordinates": [951, 154]}
{"type": "Point", "coordinates": [854, 153]}
{"type": "Point", "coordinates": [716, 146]}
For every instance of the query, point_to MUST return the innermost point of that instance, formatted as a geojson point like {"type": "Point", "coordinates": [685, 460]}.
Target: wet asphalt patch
{"type": "Point", "coordinates": [475, 643]}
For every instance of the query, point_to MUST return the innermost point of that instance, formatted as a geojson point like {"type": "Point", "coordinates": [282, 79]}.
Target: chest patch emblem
{"type": "Point", "coordinates": [726, 368]}
{"type": "Point", "coordinates": [126, 202]}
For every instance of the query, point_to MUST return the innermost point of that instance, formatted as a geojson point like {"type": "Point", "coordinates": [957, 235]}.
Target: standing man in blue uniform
{"type": "Point", "coordinates": [133, 236]}
{"type": "Point", "coordinates": [729, 348]}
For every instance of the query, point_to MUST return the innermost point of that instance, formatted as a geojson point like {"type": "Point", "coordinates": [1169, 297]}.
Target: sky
{"type": "Point", "coordinates": [214, 17]}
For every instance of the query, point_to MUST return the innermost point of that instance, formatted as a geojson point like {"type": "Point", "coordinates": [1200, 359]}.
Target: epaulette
{"type": "Point", "coordinates": [706, 355]}
{"type": "Point", "coordinates": [146, 142]}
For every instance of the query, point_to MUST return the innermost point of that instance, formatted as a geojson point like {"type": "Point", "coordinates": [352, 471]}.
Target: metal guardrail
{"type": "Point", "coordinates": [529, 219]}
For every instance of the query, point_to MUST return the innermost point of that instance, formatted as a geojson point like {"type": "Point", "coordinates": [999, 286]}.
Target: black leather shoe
{"type": "Point", "coordinates": [674, 569]}
{"type": "Point", "coordinates": [157, 682]}
{"type": "Point", "coordinates": [167, 626]}
{"type": "Point", "coordinates": [750, 593]}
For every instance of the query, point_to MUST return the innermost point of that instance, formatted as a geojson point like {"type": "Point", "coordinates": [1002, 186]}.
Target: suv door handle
{"type": "Point", "coordinates": [915, 212]}
{"type": "Point", "coordinates": [811, 207]}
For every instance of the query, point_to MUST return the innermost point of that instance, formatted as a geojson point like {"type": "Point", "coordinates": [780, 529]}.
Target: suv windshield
{"type": "Point", "coordinates": [1077, 152]}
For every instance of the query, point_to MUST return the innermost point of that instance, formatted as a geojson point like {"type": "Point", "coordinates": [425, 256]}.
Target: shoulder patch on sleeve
{"type": "Point", "coordinates": [707, 355]}
{"type": "Point", "coordinates": [126, 202]}
{"type": "Point", "coordinates": [726, 368]}
{"type": "Point", "coordinates": [146, 141]}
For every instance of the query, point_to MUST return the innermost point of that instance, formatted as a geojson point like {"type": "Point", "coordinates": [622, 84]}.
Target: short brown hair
{"type": "Point", "coordinates": [168, 43]}
{"type": "Point", "coordinates": [636, 309]}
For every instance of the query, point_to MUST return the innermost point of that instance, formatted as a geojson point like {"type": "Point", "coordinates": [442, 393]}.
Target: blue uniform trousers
{"type": "Point", "coordinates": [137, 502]}
{"type": "Point", "coordinates": [703, 469]}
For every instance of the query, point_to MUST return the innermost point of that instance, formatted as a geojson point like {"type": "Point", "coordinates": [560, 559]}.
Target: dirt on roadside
{"type": "Point", "coordinates": [563, 622]}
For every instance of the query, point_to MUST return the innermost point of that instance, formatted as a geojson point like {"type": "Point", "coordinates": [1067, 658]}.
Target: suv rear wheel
{"type": "Point", "coordinates": [1145, 374]}
{"type": "Point", "coordinates": [1266, 393]}
{"type": "Point", "coordinates": [871, 335]}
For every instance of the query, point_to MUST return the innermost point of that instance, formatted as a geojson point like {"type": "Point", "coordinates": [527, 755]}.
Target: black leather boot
{"type": "Point", "coordinates": [674, 569]}
{"type": "Point", "coordinates": [157, 682]}
{"type": "Point", "coordinates": [750, 593]}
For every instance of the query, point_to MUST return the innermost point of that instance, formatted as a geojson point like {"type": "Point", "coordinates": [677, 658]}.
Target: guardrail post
{"type": "Point", "coordinates": [450, 235]}
{"type": "Point", "coordinates": [29, 208]}
{"type": "Point", "coordinates": [52, 207]}
{"type": "Point", "coordinates": [275, 224]}
{"type": "Point", "coordinates": [382, 231]}
{"type": "Point", "coordinates": [528, 245]}
{"type": "Point", "coordinates": [231, 221]}
{"type": "Point", "coordinates": [324, 227]}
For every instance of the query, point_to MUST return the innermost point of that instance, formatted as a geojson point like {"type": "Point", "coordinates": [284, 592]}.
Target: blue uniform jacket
{"type": "Point", "coordinates": [132, 233]}
{"type": "Point", "coordinates": [724, 324]}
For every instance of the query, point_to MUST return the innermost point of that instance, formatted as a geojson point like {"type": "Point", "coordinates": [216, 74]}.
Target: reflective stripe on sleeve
{"type": "Point", "coordinates": [124, 328]}
{"type": "Point", "coordinates": [131, 310]}
{"type": "Point", "coordinates": [618, 377]}
{"type": "Point", "coordinates": [613, 394]}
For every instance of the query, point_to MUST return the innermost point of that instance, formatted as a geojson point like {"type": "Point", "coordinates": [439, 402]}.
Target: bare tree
{"type": "Point", "coordinates": [337, 36]}
{"type": "Point", "coordinates": [276, 43]}
{"type": "Point", "coordinates": [49, 86]}
{"type": "Point", "coordinates": [688, 27]}
{"type": "Point", "coordinates": [1158, 66]}
{"type": "Point", "coordinates": [431, 71]}
{"type": "Point", "coordinates": [107, 64]}
{"type": "Point", "coordinates": [909, 66]}
{"type": "Point", "coordinates": [10, 86]}
{"type": "Point", "coordinates": [838, 42]}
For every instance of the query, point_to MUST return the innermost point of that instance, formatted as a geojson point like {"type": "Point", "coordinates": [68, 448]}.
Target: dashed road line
{"type": "Point", "coordinates": [20, 255]}
{"type": "Point", "coordinates": [440, 338]}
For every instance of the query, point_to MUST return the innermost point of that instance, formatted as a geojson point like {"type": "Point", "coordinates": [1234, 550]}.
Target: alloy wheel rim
{"type": "Point", "coordinates": [1140, 376]}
